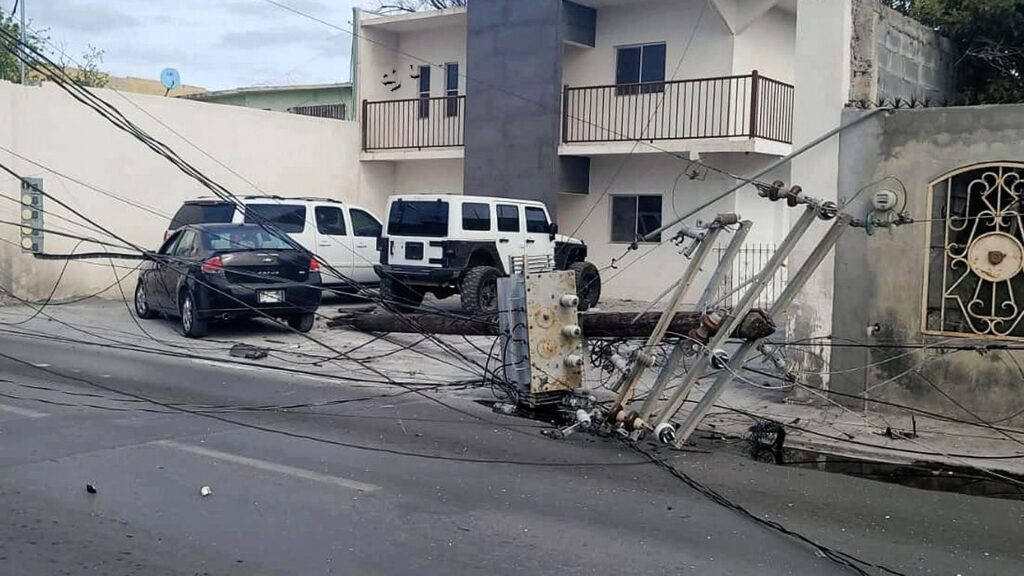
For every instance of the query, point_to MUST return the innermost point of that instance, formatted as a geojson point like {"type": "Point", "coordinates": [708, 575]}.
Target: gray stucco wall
{"type": "Point", "coordinates": [880, 279]}
{"type": "Point", "coordinates": [513, 103]}
{"type": "Point", "coordinates": [898, 57]}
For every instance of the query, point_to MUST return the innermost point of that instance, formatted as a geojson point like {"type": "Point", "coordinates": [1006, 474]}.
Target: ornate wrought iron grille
{"type": "Point", "coordinates": [974, 284]}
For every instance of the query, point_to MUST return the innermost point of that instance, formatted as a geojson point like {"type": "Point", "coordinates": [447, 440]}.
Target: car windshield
{"type": "Point", "coordinates": [203, 213]}
{"type": "Point", "coordinates": [241, 238]}
{"type": "Point", "coordinates": [418, 218]}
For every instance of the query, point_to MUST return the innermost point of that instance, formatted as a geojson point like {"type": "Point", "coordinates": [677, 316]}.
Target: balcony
{"type": "Point", "coordinates": [432, 126]}
{"type": "Point", "coordinates": [748, 113]}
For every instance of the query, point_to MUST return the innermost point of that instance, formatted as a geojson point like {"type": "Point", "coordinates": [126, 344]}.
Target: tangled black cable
{"type": "Point", "coordinates": [843, 559]}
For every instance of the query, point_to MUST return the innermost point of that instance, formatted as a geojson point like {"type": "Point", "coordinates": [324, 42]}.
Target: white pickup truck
{"type": "Point", "coordinates": [342, 235]}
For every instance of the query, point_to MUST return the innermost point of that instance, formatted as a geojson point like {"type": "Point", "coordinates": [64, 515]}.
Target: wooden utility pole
{"type": "Point", "coordinates": [594, 324]}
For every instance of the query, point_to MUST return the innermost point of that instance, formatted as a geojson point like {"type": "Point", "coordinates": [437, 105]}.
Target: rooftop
{"type": "Point", "coordinates": [266, 90]}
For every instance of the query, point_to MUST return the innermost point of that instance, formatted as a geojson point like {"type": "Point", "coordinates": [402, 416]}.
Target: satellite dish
{"type": "Point", "coordinates": [170, 78]}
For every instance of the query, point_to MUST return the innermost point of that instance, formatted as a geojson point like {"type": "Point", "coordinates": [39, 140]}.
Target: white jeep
{"type": "Point", "coordinates": [453, 244]}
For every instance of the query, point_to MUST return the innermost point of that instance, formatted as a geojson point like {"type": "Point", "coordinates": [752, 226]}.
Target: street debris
{"type": "Point", "coordinates": [248, 351]}
{"type": "Point", "coordinates": [90, 488]}
{"type": "Point", "coordinates": [205, 491]}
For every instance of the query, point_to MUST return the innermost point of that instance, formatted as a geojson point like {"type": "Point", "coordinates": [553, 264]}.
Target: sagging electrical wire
{"type": "Point", "coordinates": [318, 439]}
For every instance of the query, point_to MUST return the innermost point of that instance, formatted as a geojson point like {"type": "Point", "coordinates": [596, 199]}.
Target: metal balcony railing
{"type": "Point", "coordinates": [414, 123]}
{"type": "Point", "coordinates": [751, 106]}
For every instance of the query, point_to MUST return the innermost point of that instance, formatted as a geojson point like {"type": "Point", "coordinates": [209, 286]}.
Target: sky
{"type": "Point", "coordinates": [215, 44]}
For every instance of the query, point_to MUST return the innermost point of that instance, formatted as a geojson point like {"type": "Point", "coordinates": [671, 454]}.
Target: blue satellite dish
{"type": "Point", "coordinates": [170, 78]}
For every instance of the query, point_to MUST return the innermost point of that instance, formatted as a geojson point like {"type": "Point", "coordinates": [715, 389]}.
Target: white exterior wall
{"type": "Point", "coordinates": [669, 21]}
{"type": "Point", "coordinates": [768, 45]}
{"type": "Point", "coordinates": [284, 154]}
{"type": "Point", "coordinates": [658, 265]}
{"type": "Point", "coordinates": [436, 46]}
{"type": "Point", "coordinates": [434, 41]}
{"type": "Point", "coordinates": [428, 177]}
{"type": "Point", "coordinates": [824, 34]}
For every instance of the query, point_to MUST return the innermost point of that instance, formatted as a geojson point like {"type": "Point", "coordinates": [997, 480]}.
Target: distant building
{"type": "Point", "coordinates": [320, 100]}
{"type": "Point", "coordinates": [130, 84]}
{"type": "Point", "coordinates": [148, 86]}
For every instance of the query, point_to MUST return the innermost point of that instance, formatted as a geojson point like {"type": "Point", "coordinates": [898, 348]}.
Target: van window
{"type": "Point", "coordinates": [536, 221]}
{"type": "Point", "coordinates": [330, 221]}
{"type": "Point", "coordinates": [418, 218]}
{"type": "Point", "coordinates": [508, 218]}
{"type": "Point", "coordinates": [476, 216]}
{"type": "Point", "coordinates": [364, 225]}
{"type": "Point", "coordinates": [289, 218]}
{"type": "Point", "coordinates": [203, 213]}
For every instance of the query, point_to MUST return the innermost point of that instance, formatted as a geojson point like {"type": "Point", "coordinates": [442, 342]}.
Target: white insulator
{"type": "Point", "coordinates": [665, 433]}
{"type": "Point", "coordinates": [572, 331]}
{"type": "Point", "coordinates": [569, 301]}
{"type": "Point", "coordinates": [583, 418]}
{"type": "Point", "coordinates": [574, 361]}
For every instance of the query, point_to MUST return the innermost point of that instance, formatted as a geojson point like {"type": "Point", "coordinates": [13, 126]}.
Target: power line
{"type": "Point", "coordinates": [317, 439]}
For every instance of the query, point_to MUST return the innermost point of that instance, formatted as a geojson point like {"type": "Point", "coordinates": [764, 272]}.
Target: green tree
{"type": "Point", "coordinates": [989, 35]}
{"type": "Point", "coordinates": [9, 69]}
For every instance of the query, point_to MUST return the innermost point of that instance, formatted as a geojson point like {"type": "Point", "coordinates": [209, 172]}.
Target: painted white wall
{"type": "Point", "coordinates": [669, 21]}
{"type": "Point", "coordinates": [768, 45]}
{"type": "Point", "coordinates": [657, 265]}
{"type": "Point", "coordinates": [437, 46]}
{"type": "Point", "coordinates": [271, 152]}
{"type": "Point", "coordinates": [429, 177]}
{"type": "Point", "coordinates": [375, 56]}
{"type": "Point", "coordinates": [822, 80]}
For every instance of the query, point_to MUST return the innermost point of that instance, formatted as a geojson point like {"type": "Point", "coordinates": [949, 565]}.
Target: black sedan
{"type": "Point", "coordinates": [225, 271]}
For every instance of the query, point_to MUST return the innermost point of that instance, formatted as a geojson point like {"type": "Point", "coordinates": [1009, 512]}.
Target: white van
{"type": "Point", "coordinates": [342, 235]}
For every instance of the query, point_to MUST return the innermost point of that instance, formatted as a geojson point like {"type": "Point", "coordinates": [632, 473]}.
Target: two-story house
{"type": "Point", "coordinates": [619, 114]}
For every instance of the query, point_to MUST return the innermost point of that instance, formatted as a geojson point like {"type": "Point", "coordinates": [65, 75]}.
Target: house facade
{"type": "Point", "coordinates": [620, 114]}
{"type": "Point", "coordinates": [319, 100]}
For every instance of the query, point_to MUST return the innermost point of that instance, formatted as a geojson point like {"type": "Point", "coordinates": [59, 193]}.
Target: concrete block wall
{"type": "Point", "coordinates": [894, 56]}
{"type": "Point", "coordinates": [879, 280]}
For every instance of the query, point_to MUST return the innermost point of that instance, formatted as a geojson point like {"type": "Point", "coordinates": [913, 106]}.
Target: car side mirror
{"type": "Point", "coordinates": [553, 230]}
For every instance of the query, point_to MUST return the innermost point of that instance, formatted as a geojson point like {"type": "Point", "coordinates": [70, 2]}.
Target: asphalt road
{"type": "Point", "coordinates": [392, 483]}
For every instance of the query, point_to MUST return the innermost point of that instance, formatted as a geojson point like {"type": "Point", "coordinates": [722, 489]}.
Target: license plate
{"type": "Point", "coordinates": [270, 296]}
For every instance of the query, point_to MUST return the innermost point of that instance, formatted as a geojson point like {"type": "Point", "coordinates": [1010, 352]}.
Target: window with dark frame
{"type": "Point", "coordinates": [451, 73]}
{"type": "Point", "coordinates": [634, 217]}
{"type": "Point", "coordinates": [536, 221]}
{"type": "Point", "coordinates": [330, 221]}
{"type": "Point", "coordinates": [640, 69]}
{"type": "Point", "coordinates": [508, 218]}
{"type": "Point", "coordinates": [424, 87]}
{"type": "Point", "coordinates": [364, 225]}
{"type": "Point", "coordinates": [476, 217]}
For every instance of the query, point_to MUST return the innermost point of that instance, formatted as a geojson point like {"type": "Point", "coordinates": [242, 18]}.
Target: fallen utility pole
{"type": "Point", "coordinates": [593, 324]}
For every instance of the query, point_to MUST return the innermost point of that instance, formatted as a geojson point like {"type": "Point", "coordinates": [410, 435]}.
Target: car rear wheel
{"type": "Point", "coordinates": [588, 284]}
{"type": "Point", "coordinates": [480, 290]}
{"type": "Point", "coordinates": [142, 309]}
{"type": "Point", "coordinates": [302, 323]}
{"type": "Point", "coordinates": [400, 297]}
{"type": "Point", "coordinates": [192, 326]}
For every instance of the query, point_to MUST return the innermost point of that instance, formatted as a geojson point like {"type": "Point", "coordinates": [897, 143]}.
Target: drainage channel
{"type": "Point", "coordinates": [923, 475]}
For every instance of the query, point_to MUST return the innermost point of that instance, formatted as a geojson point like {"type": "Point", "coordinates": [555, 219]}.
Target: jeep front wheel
{"type": "Point", "coordinates": [480, 290]}
{"type": "Point", "coordinates": [588, 284]}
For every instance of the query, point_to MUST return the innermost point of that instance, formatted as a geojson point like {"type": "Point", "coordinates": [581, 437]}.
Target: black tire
{"type": "Point", "coordinates": [192, 326]}
{"type": "Point", "coordinates": [480, 290]}
{"type": "Point", "coordinates": [142, 308]}
{"type": "Point", "coordinates": [400, 297]}
{"type": "Point", "coordinates": [588, 284]}
{"type": "Point", "coordinates": [303, 323]}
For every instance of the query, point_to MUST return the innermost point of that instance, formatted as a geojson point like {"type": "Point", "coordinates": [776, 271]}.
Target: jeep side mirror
{"type": "Point", "coordinates": [553, 230]}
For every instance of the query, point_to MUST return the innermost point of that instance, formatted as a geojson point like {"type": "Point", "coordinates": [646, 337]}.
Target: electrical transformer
{"type": "Point", "coordinates": [541, 340]}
